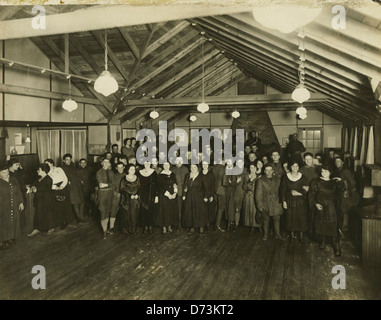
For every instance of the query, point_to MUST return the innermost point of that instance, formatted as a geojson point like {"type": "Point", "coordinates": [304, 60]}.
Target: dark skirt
{"type": "Point", "coordinates": [166, 214]}
{"type": "Point", "coordinates": [64, 212]}
{"type": "Point", "coordinates": [296, 218]}
{"type": "Point", "coordinates": [195, 211]}
{"type": "Point", "coordinates": [326, 220]}
{"type": "Point", "coordinates": [45, 214]}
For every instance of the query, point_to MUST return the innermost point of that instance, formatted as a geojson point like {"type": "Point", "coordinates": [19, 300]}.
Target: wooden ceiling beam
{"type": "Point", "coordinates": [194, 81]}
{"type": "Point", "coordinates": [182, 73]}
{"type": "Point", "coordinates": [8, 12]}
{"type": "Point", "coordinates": [112, 16]}
{"type": "Point", "coordinates": [30, 92]}
{"type": "Point", "coordinates": [314, 50]}
{"type": "Point", "coordinates": [130, 42]}
{"type": "Point", "coordinates": [106, 109]}
{"type": "Point", "coordinates": [254, 37]}
{"type": "Point", "coordinates": [166, 37]}
{"type": "Point", "coordinates": [101, 41]}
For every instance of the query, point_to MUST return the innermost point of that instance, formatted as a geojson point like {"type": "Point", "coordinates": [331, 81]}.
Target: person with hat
{"type": "Point", "coordinates": [11, 206]}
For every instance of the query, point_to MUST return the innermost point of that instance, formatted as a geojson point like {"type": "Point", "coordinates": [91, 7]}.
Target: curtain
{"type": "Point", "coordinates": [363, 145]}
{"type": "Point", "coordinates": [74, 142]}
{"type": "Point", "coordinates": [370, 151]}
{"type": "Point", "coordinates": [355, 143]}
{"type": "Point", "coordinates": [346, 139]}
{"type": "Point", "coordinates": [48, 142]}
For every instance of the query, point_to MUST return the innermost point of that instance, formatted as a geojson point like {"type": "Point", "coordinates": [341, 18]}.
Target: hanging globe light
{"type": "Point", "coordinates": [235, 114]}
{"type": "Point", "coordinates": [285, 18]}
{"type": "Point", "coordinates": [203, 107]}
{"type": "Point", "coordinates": [301, 110]}
{"type": "Point", "coordinates": [192, 118]}
{"type": "Point", "coordinates": [106, 84]}
{"type": "Point", "coordinates": [300, 94]}
{"type": "Point", "coordinates": [154, 114]}
{"type": "Point", "coordinates": [303, 116]}
{"type": "Point", "coordinates": [69, 105]}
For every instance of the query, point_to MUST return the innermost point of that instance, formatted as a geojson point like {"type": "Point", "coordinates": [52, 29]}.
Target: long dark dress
{"type": "Point", "coordinates": [195, 212]}
{"type": "Point", "coordinates": [167, 214]}
{"type": "Point", "coordinates": [209, 193]}
{"type": "Point", "coordinates": [296, 218]}
{"type": "Point", "coordinates": [234, 194]}
{"type": "Point", "coordinates": [10, 199]}
{"type": "Point", "coordinates": [148, 192]}
{"type": "Point", "coordinates": [324, 193]}
{"type": "Point", "coordinates": [130, 207]}
{"type": "Point", "coordinates": [75, 184]}
{"type": "Point", "coordinates": [249, 208]}
{"type": "Point", "coordinates": [45, 216]}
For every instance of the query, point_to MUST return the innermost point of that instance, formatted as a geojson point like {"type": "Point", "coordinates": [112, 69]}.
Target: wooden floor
{"type": "Point", "coordinates": [218, 266]}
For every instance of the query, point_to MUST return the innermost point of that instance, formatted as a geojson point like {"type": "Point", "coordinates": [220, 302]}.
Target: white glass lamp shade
{"type": "Point", "coordinates": [27, 140]}
{"type": "Point", "coordinates": [203, 107]}
{"type": "Point", "coordinates": [154, 114]}
{"type": "Point", "coordinates": [303, 116]}
{"type": "Point", "coordinates": [70, 105]}
{"type": "Point", "coordinates": [300, 94]}
{"type": "Point", "coordinates": [235, 114]}
{"type": "Point", "coordinates": [301, 110]}
{"type": "Point", "coordinates": [285, 18]}
{"type": "Point", "coordinates": [192, 118]}
{"type": "Point", "coordinates": [106, 84]}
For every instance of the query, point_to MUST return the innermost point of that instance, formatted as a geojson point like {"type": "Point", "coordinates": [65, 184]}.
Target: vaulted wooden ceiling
{"type": "Point", "coordinates": [163, 60]}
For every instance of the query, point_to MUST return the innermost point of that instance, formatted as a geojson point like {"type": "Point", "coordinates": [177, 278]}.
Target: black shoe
{"type": "Point", "coordinates": [337, 249]}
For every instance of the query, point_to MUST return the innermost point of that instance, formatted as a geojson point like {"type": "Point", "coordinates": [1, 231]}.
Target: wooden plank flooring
{"type": "Point", "coordinates": [180, 266]}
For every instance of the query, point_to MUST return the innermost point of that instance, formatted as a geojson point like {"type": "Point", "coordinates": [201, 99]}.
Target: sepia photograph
{"type": "Point", "coordinates": [193, 151]}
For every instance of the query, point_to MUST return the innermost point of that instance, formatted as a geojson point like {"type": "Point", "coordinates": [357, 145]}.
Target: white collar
{"type": "Point", "coordinates": [298, 176]}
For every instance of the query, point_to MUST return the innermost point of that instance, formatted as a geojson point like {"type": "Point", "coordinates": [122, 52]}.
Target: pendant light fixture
{"type": "Point", "coordinates": [69, 104]}
{"type": "Point", "coordinates": [235, 114]}
{"type": "Point", "coordinates": [301, 93]}
{"type": "Point", "coordinates": [27, 140]}
{"type": "Point", "coordinates": [192, 118]}
{"type": "Point", "coordinates": [154, 114]}
{"type": "Point", "coordinates": [285, 18]}
{"type": "Point", "coordinates": [203, 107]}
{"type": "Point", "coordinates": [106, 83]}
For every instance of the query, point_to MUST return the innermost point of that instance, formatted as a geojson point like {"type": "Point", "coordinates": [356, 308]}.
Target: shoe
{"type": "Point", "coordinates": [125, 231]}
{"type": "Point", "coordinates": [292, 236]}
{"type": "Point", "coordinates": [150, 230]}
{"type": "Point", "coordinates": [322, 245]}
{"type": "Point", "coordinates": [264, 238]}
{"type": "Point", "coordinates": [191, 230]}
{"type": "Point", "coordinates": [34, 233]}
{"type": "Point", "coordinates": [111, 231]}
{"type": "Point", "coordinates": [63, 226]}
{"type": "Point", "coordinates": [145, 230]}
{"type": "Point", "coordinates": [164, 230]}
{"type": "Point", "coordinates": [219, 228]}
{"type": "Point", "coordinates": [301, 239]}
{"type": "Point", "coordinates": [201, 230]}
{"type": "Point", "coordinates": [50, 231]}
{"type": "Point", "coordinates": [104, 235]}
{"type": "Point", "coordinates": [337, 249]}
{"type": "Point", "coordinates": [279, 237]}
{"type": "Point", "coordinates": [170, 229]}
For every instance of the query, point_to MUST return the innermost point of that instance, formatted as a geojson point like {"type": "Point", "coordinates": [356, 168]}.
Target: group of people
{"type": "Point", "coordinates": [268, 194]}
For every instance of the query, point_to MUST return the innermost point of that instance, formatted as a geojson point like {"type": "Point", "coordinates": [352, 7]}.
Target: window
{"type": "Point", "coordinates": [311, 139]}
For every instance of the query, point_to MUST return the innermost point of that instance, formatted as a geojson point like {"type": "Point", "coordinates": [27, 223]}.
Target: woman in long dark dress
{"type": "Point", "coordinates": [293, 191]}
{"type": "Point", "coordinates": [195, 213]}
{"type": "Point", "coordinates": [209, 201]}
{"type": "Point", "coordinates": [249, 209]}
{"type": "Point", "coordinates": [129, 190]}
{"type": "Point", "coordinates": [148, 196]}
{"type": "Point", "coordinates": [167, 215]}
{"type": "Point", "coordinates": [45, 217]}
{"type": "Point", "coordinates": [322, 197]}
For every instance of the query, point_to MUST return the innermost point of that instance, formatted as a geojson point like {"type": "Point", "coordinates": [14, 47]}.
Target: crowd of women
{"type": "Point", "coordinates": [269, 196]}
